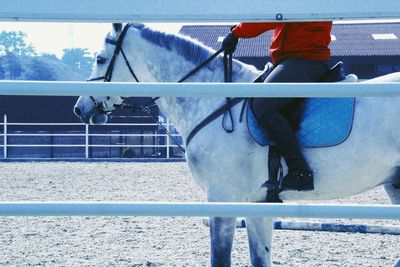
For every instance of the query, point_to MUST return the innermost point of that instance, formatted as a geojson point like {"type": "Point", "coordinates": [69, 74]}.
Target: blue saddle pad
{"type": "Point", "coordinates": [325, 122]}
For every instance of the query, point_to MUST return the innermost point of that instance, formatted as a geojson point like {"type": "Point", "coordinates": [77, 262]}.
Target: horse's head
{"type": "Point", "coordinates": [95, 109]}
{"type": "Point", "coordinates": [136, 51]}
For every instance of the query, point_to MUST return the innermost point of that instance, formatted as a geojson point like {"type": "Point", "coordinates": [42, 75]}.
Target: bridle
{"type": "Point", "coordinates": [107, 77]}
{"type": "Point", "coordinates": [106, 107]}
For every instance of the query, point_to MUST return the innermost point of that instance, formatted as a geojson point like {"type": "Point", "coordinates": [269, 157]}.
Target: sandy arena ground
{"type": "Point", "coordinates": [144, 241]}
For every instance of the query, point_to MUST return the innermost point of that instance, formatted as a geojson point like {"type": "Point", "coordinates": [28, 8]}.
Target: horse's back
{"type": "Point", "coordinates": [392, 77]}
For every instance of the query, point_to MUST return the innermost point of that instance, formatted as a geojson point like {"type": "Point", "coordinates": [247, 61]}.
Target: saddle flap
{"type": "Point", "coordinates": [325, 122]}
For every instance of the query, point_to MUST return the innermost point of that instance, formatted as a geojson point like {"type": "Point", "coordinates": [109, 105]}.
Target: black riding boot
{"type": "Point", "coordinates": [267, 111]}
{"type": "Point", "coordinates": [299, 177]}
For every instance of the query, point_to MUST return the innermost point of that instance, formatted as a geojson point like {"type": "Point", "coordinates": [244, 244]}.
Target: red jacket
{"type": "Point", "coordinates": [307, 40]}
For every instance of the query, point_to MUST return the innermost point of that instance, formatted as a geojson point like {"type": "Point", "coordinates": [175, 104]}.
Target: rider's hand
{"type": "Point", "coordinates": [229, 43]}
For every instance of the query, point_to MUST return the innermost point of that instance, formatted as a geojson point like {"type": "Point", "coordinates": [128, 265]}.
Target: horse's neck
{"type": "Point", "coordinates": [186, 113]}
{"type": "Point", "coordinates": [162, 65]}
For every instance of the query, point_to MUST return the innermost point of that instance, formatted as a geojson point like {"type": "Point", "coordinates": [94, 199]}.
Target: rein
{"type": "Point", "coordinates": [106, 108]}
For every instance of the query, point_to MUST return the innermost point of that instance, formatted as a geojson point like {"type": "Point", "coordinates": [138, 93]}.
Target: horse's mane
{"type": "Point", "coordinates": [190, 49]}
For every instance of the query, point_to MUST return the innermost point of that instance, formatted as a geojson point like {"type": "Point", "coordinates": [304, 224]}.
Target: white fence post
{"type": "Point", "coordinates": [168, 139]}
{"type": "Point", "coordinates": [5, 137]}
{"type": "Point", "coordinates": [86, 141]}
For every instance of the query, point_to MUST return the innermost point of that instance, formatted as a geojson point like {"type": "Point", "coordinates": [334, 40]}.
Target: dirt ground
{"type": "Point", "coordinates": [154, 241]}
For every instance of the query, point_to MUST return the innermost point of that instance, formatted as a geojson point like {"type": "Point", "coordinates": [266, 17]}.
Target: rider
{"type": "Point", "coordinates": [300, 53]}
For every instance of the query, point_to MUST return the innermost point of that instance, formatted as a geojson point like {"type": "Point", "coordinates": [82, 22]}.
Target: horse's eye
{"type": "Point", "coordinates": [100, 60]}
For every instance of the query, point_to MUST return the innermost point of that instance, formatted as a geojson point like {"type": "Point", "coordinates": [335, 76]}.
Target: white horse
{"type": "Point", "coordinates": [232, 166]}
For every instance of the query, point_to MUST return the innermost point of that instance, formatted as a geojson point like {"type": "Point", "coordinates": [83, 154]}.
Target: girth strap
{"type": "Point", "coordinates": [275, 176]}
{"type": "Point", "coordinates": [221, 110]}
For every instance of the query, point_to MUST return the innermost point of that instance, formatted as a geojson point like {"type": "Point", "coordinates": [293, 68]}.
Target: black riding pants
{"type": "Point", "coordinates": [268, 110]}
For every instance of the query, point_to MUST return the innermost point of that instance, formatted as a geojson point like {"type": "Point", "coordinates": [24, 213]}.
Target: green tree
{"type": "Point", "coordinates": [49, 56]}
{"type": "Point", "coordinates": [12, 66]}
{"type": "Point", "coordinates": [40, 71]}
{"type": "Point", "coordinates": [15, 42]}
{"type": "Point", "coordinates": [79, 58]}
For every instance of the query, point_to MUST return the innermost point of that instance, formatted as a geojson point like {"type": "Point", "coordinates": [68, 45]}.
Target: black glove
{"type": "Point", "coordinates": [229, 43]}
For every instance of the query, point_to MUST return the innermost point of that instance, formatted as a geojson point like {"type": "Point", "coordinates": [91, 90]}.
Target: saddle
{"type": "Point", "coordinates": [307, 115]}
{"type": "Point", "coordinates": [317, 122]}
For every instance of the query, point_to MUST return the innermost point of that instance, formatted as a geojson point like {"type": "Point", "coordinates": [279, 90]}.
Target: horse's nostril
{"type": "Point", "coordinates": [77, 111]}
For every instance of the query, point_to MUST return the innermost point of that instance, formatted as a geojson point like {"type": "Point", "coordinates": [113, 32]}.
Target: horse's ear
{"type": "Point", "coordinates": [117, 27]}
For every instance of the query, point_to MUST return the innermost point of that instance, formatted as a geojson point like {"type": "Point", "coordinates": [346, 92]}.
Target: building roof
{"type": "Point", "coordinates": [367, 39]}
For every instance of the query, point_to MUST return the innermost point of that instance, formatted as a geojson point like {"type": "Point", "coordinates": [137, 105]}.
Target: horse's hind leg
{"type": "Point", "coordinates": [392, 188]}
{"type": "Point", "coordinates": [393, 192]}
{"type": "Point", "coordinates": [259, 231]}
{"type": "Point", "coordinates": [222, 232]}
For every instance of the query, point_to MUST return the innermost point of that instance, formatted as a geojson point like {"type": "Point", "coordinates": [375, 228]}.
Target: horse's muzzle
{"type": "Point", "coordinates": [93, 117]}
{"type": "Point", "coordinates": [77, 111]}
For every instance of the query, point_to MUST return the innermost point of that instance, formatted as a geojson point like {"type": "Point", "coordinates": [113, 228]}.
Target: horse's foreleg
{"type": "Point", "coordinates": [259, 231]}
{"type": "Point", "coordinates": [222, 232]}
{"type": "Point", "coordinates": [393, 192]}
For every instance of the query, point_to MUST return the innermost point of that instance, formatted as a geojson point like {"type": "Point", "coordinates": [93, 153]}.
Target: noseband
{"type": "Point", "coordinates": [106, 107]}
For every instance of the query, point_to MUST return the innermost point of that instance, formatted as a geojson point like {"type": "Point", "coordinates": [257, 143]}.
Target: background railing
{"type": "Point", "coordinates": [78, 140]}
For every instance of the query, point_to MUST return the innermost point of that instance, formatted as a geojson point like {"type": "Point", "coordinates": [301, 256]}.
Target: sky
{"type": "Point", "coordinates": [53, 37]}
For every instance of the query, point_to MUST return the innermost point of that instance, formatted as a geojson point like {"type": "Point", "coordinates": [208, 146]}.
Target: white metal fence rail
{"type": "Point", "coordinates": [198, 209]}
{"type": "Point", "coordinates": [6, 134]}
{"type": "Point", "coordinates": [194, 10]}
{"type": "Point", "coordinates": [200, 89]}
